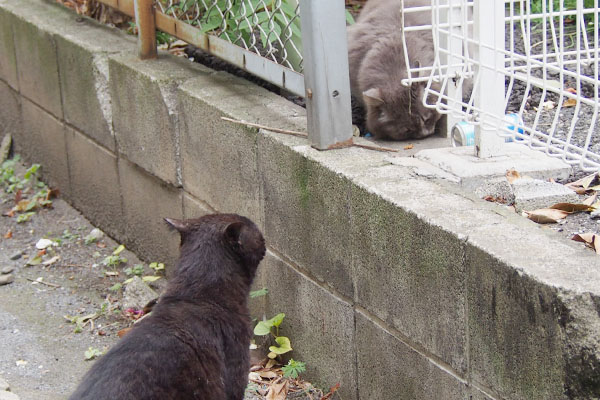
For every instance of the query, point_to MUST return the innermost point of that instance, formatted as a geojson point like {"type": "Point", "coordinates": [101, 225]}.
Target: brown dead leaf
{"type": "Point", "coordinates": [332, 391]}
{"type": "Point", "coordinates": [584, 182]}
{"type": "Point", "coordinates": [409, 146]}
{"type": "Point", "coordinates": [570, 207]}
{"type": "Point", "coordinates": [270, 374]}
{"type": "Point", "coordinates": [512, 175]}
{"type": "Point", "coordinates": [123, 332]}
{"type": "Point", "coordinates": [270, 364]}
{"type": "Point", "coordinates": [18, 196]}
{"type": "Point", "coordinates": [571, 90]}
{"type": "Point", "coordinates": [22, 206]}
{"type": "Point", "coordinates": [10, 213]}
{"type": "Point", "coordinates": [41, 253]}
{"type": "Point", "coordinates": [590, 239]}
{"type": "Point", "coordinates": [546, 215]}
{"type": "Point", "coordinates": [8, 235]}
{"type": "Point", "coordinates": [277, 391]}
{"type": "Point", "coordinates": [570, 103]}
{"type": "Point", "coordinates": [590, 200]}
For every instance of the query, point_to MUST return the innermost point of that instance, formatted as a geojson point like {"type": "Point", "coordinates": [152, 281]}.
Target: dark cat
{"type": "Point", "coordinates": [195, 344]}
{"type": "Point", "coordinates": [377, 66]}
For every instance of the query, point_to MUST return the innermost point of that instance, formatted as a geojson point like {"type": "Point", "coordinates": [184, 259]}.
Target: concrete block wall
{"type": "Point", "coordinates": [393, 285]}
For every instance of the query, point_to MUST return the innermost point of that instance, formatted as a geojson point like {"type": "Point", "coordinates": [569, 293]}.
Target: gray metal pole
{"type": "Point", "coordinates": [326, 76]}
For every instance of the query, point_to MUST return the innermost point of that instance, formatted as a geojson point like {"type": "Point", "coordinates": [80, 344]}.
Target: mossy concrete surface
{"type": "Point", "coordinates": [394, 285]}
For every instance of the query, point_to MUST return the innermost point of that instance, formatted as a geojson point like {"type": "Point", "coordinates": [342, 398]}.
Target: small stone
{"type": "Point", "coordinates": [7, 270]}
{"type": "Point", "coordinates": [137, 294]}
{"type": "Point", "coordinates": [4, 385]}
{"type": "Point", "coordinates": [8, 396]}
{"type": "Point", "coordinates": [595, 214]}
{"type": "Point", "coordinates": [16, 256]}
{"type": "Point", "coordinates": [6, 279]}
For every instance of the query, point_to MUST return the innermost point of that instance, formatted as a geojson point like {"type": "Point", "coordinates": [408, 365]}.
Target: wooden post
{"type": "Point", "coordinates": [144, 19]}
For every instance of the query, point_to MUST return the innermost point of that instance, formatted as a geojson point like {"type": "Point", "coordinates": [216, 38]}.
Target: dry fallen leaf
{"type": "Point", "coordinates": [583, 183]}
{"type": "Point", "coordinates": [590, 239]}
{"type": "Point", "coordinates": [268, 374]}
{"type": "Point", "coordinates": [512, 175]}
{"type": "Point", "coordinates": [277, 391]}
{"type": "Point", "coordinates": [123, 332]}
{"type": "Point", "coordinates": [570, 207]}
{"type": "Point", "coordinates": [409, 146]}
{"type": "Point", "coordinates": [8, 235]}
{"type": "Point", "coordinates": [546, 215]}
{"type": "Point", "coordinates": [571, 90]}
{"type": "Point", "coordinates": [51, 261]}
{"type": "Point", "coordinates": [570, 103]}
{"type": "Point", "coordinates": [590, 200]}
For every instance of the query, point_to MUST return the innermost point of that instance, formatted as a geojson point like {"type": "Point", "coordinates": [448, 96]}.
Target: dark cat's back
{"type": "Point", "coordinates": [195, 343]}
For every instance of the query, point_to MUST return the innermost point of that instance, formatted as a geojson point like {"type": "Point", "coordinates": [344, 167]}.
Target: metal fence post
{"type": "Point", "coordinates": [489, 30]}
{"type": "Point", "coordinates": [326, 75]}
{"type": "Point", "coordinates": [146, 25]}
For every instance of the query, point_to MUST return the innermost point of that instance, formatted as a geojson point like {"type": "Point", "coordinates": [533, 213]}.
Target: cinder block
{"type": "Point", "coordinates": [146, 201]}
{"type": "Point", "coordinates": [410, 273]}
{"type": "Point", "coordinates": [307, 213]}
{"type": "Point", "coordinates": [516, 338]}
{"type": "Point", "coordinates": [43, 141]}
{"type": "Point", "coordinates": [95, 188]}
{"type": "Point", "coordinates": [214, 152]}
{"type": "Point", "coordinates": [84, 78]}
{"type": "Point", "coordinates": [8, 60]}
{"type": "Point", "coordinates": [37, 65]}
{"type": "Point", "coordinates": [319, 325]}
{"type": "Point", "coordinates": [145, 111]}
{"type": "Point", "coordinates": [389, 369]}
{"type": "Point", "coordinates": [10, 112]}
{"type": "Point", "coordinates": [194, 208]}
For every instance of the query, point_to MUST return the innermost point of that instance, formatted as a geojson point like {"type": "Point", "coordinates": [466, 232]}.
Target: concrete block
{"type": "Point", "coordinates": [8, 60]}
{"type": "Point", "coordinates": [410, 273]}
{"type": "Point", "coordinates": [10, 112]}
{"type": "Point", "coordinates": [515, 331]}
{"type": "Point", "coordinates": [145, 111]}
{"type": "Point", "coordinates": [473, 171]}
{"type": "Point", "coordinates": [531, 194]}
{"type": "Point", "coordinates": [43, 141]}
{"type": "Point", "coordinates": [37, 64]}
{"type": "Point", "coordinates": [146, 201]}
{"type": "Point", "coordinates": [389, 369]}
{"type": "Point", "coordinates": [312, 311]}
{"type": "Point", "coordinates": [194, 208]}
{"type": "Point", "coordinates": [214, 151]}
{"type": "Point", "coordinates": [307, 215]}
{"type": "Point", "coordinates": [95, 189]}
{"type": "Point", "coordinates": [84, 78]}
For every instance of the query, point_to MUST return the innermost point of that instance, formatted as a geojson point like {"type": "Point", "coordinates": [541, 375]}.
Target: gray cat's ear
{"type": "Point", "coordinates": [177, 224]}
{"type": "Point", "coordinates": [372, 97]}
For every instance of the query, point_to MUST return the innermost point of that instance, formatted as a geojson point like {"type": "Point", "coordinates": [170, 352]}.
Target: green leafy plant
{"type": "Point", "coordinates": [92, 353]}
{"type": "Point", "coordinates": [258, 293]}
{"type": "Point", "coordinates": [271, 326]}
{"type": "Point", "coordinates": [25, 217]}
{"type": "Point", "coordinates": [137, 269]}
{"type": "Point", "coordinates": [115, 259]}
{"type": "Point", "coordinates": [157, 267]}
{"type": "Point", "coordinates": [293, 369]}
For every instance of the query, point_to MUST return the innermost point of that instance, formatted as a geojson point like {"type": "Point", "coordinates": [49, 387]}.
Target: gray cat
{"type": "Point", "coordinates": [377, 66]}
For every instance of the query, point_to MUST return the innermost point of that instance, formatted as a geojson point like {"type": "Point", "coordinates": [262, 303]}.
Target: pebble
{"type": "Point", "coordinates": [595, 214]}
{"type": "Point", "coordinates": [16, 256]}
{"type": "Point", "coordinates": [8, 396]}
{"type": "Point", "coordinates": [6, 279]}
{"type": "Point", "coordinates": [7, 270]}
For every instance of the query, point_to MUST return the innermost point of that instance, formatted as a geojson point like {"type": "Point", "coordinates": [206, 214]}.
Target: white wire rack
{"type": "Point", "coordinates": [536, 58]}
{"type": "Point", "coordinates": [269, 28]}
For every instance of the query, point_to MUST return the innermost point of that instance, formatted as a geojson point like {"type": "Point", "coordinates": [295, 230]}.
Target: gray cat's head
{"type": "Point", "coordinates": [397, 112]}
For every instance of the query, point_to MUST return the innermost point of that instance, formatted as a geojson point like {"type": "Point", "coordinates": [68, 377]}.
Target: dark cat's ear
{"type": "Point", "coordinates": [177, 224]}
{"type": "Point", "coordinates": [233, 232]}
{"type": "Point", "coordinates": [372, 97]}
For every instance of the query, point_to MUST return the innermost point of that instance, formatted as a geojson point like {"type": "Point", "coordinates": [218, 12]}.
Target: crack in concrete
{"type": "Point", "coordinates": [101, 79]}
{"type": "Point", "coordinates": [169, 95]}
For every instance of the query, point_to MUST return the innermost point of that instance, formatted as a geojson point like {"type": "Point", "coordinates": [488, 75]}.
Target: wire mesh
{"type": "Point", "coordinates": [269, 28]}
{"type": "Point", "coordinates": [551, 71]}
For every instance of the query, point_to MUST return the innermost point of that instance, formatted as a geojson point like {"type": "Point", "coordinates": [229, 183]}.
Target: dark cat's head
{"type": "Point", "coordinates": [218, 246]}
{"type": "Point", "coordinates": [397, 112]}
